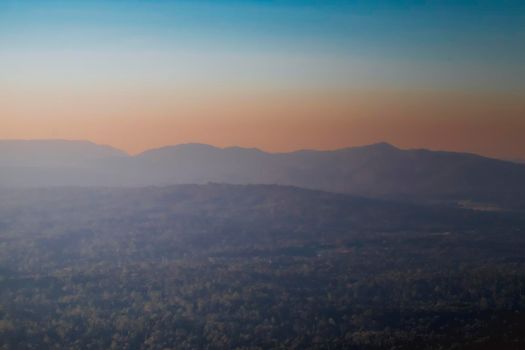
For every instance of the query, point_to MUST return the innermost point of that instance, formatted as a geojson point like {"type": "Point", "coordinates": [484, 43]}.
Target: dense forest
{"type": "Point", "coordinates": [255, 267]}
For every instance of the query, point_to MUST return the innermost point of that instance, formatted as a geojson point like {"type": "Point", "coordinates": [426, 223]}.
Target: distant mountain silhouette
{"type": "Point", "coordinates": [40, 163]}
{"type": "Point", "coordinates": [53, 153]}
{"type": "Point", "coordinates": [374, 170]}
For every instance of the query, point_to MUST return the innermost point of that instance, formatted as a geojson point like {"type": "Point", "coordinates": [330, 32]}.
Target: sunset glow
{"type": "Point", "coordinates": [279, 76]}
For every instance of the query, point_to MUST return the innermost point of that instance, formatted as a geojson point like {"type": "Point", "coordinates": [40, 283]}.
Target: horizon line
{"type": "Point", "coordinates": [167, 146]}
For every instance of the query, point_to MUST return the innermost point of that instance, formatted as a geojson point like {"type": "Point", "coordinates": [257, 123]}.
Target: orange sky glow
{"type": "Point", "coordinates": [491, 125]}
{"type": "Point", "coordinates": [276, 75]}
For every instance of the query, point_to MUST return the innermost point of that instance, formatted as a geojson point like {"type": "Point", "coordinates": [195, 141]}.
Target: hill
{"type": "Point", "coordinates": [374, 170]}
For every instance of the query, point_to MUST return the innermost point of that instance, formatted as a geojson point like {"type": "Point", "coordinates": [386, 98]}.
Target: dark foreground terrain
{"type": "Point", "coordinates": [255, 267]}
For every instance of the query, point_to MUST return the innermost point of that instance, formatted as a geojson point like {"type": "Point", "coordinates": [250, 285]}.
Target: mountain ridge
{"type": "Point", "coordinates": [376, 170]}
{"type": "Point", "coordinates": [377, 145]}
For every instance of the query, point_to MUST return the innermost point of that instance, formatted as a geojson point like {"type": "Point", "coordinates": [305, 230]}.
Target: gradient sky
{"type": "Point", "coordinates": [278, 75]}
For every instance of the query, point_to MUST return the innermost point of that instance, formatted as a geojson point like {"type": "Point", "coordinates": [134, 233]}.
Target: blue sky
{"type": "Point", "coordinates": [434, 44]}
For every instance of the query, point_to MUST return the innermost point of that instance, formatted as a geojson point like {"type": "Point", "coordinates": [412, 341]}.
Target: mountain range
{"type": "Point", "coordinates": [377, 170]}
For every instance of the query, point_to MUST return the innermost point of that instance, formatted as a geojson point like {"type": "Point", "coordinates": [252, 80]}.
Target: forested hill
{"type": "Point", "coordinates": [254, 267]}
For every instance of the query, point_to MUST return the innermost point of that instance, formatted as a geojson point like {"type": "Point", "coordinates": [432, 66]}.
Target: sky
{"type": "Point", "coordinates": [277, 75]}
